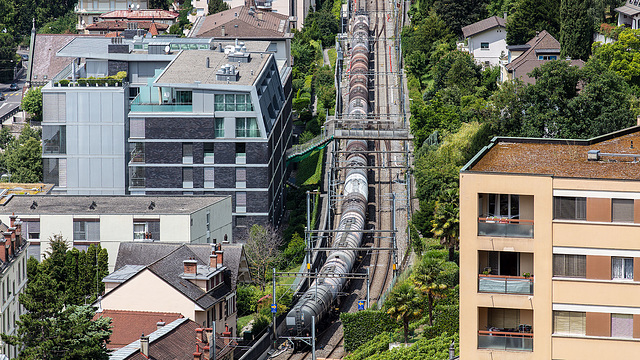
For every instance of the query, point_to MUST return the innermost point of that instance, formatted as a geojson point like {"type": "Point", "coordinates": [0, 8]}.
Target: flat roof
{"type": "Point", "coordinates": [562, 158]}
{"type": "Point", "coordinates": [106, 204]}
{"type": "Point", "coordinates": [190, 66]}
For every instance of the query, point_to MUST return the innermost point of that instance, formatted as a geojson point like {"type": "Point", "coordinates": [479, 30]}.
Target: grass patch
{"type": "Point", "coordinates": [333, 55]}
{"type": "Point", "coordinates": [310, 169]}
{"type": "Point", "coordinates": [243, 321]}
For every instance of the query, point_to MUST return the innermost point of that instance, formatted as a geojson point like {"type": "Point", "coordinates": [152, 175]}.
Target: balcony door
{"type": "Point", "coordinates": [504, 263]}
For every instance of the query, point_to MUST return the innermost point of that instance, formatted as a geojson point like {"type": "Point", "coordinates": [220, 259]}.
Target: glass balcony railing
{"type": "Point", "coordinates": [505, 227]}
{"type": "Point", "coordinates": [505, 284]}
{"type": "Point", "coordinates": [137, 182]}
{"type": "Point", "coordinates": [501, 340]}
{"type": "Point", "coordinates": [137, 105]}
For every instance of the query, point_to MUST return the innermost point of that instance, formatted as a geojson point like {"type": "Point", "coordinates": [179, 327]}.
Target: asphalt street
{"type": "Point", "coordinates": [12, 98]}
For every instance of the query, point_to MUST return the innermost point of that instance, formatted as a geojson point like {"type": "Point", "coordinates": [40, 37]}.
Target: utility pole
{"type": "Point", "coordinates": [313, 337]}
{"type": "Point", "coordinates": [274, 311]}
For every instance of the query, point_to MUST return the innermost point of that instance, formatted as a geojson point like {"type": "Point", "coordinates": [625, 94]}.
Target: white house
{"type": "Point", "coordinates": [629, 14]}
{"type": "Point", "coordinates": [486, 40]}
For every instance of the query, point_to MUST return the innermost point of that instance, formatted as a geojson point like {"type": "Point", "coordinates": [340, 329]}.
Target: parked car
{"type": "Point", "coordinates": [2, 98]}
{"type": "Point", "coordinates": [13, 87]}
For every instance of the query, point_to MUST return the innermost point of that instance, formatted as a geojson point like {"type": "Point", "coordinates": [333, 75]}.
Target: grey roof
{"type": "Point", "coordinates": [43, 56]}
{"type": "Point", "coordinates": [190, 66]}
{"type": "Point", "coordinates": [123, 274]}
{"type": "Point", "coordinates": [522, 47]}
{"type": "Point", "coordinates": [106, 204]}
{"type": "Point", "coordinates": [134, 347]}
{"type": "Point", "coordinates": [483, 25]}
{"type": "Point", "coordinates": [629, 9]}
{"type": "Point", "coordinates": [88, 46]}
{"type": "Point", "coordinates": [244, 23]}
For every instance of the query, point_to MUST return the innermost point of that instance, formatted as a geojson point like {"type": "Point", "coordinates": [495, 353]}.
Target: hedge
{"type": "Point", "coordinates": [362, 326]}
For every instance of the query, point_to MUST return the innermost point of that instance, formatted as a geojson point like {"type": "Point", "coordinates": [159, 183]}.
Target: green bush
{"type": "Point", "coordinates": [63, 82]}
{"type": "Point", "coordinates": [260, 323]}
{"type": "Point", "coordinates": [362, 326]}
{"type": "Point", "coordinates": [378, 344]}
{"type": "Point", "coordinates": [436, 348]}
{"type": "Point", "coordinates": [248, 296]}
{"type": "Point", "coordinates": [294, 253]}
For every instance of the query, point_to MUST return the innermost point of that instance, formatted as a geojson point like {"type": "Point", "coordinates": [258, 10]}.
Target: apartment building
{"type": "Point", "coordinates": [89, 11]}
{"type": "Point", "coordinates": [111, 220]}
{"type": "Point", "coordinates": [549, 257]}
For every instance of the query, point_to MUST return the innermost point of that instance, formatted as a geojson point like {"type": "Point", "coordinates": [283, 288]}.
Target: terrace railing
{"type": "Point", "coordinates": [505, 227]}
{"type": "Point", "coordinates": [503, 340]}
{"type": "Point", "coordinates": [505, 284]}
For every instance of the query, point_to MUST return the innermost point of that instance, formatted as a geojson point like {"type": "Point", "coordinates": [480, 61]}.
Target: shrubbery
{"type": "Point", "coordinates": [362, 326]}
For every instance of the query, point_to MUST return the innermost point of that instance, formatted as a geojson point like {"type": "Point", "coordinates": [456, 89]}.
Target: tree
{"type": "Point", "coordinates": [5, 137]}
{"type": "Point", "coordinates": [80, 337]}
{"type": "Point", "coordinates": [424, 43]}
{"type": "Point", "coordinates": [531, 16]}
{"type": "Point", "coordinates": [216, 6]}
{"type": "Point", "coordinates": [576, 29]}
{"type": "Point", "coordinates": [460, 13]}
{"type": "Point", "coordinates": [446, 220]}
{"type": "Point", "coordinates": [426, 279]}
{"type": "Point", "coordinates": [24, 161]}
{"type": "Point", "coordinates": [621, 57]}
{"type": "Point", "coordinates": [160, 4]}
{"type": "Point", "coordinates": [262, 248]}
{"type": "Point", "coordinates": [405, 305]}
{"type": "Point", "coordinates": [32, 103]}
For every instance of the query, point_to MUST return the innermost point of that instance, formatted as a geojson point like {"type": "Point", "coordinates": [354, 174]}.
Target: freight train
{"type": "Point", "coordinates": [317, 300]}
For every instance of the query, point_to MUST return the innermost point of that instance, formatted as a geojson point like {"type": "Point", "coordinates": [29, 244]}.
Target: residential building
{"type": "Point", "coordinates": [108, 26]}
{"type": "Point", "coordinates": [111, 220]}
{"type": "Point", "coordinates": [217, 123]}
{"type": "Point", "coordinates": [157, 16]}
{"type": "Point", "coordinates": [486, 40]}
{"type": "Point", "coordinates": [522, 59]}
{"type": "Point", "coordinates": [181, 339]}
{"type": "Point", "coordinates": [181, 281]}
{"type": "Point", "coordinates": [89, 11]}
{"type": "Point", "coordinates": [13, 279]}
{"type": "Point", "coordinates": [296, 11]}
{"type": "Point", "coordinates": [629, 14]}
{"type": "Point", "coordinates": [549, 262]}
{"type": "Point", "coordinates": [126, 326]}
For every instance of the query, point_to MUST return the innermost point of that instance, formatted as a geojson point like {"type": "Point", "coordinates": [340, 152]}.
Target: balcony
{"type": "Point", "coordinates": [505, 284]}
{"type": "Point", "coordinates": [137, 105]}
{"type": "Point", "coordinates": [505, 340]}
{"type": "Point", "coordinates": [505, 227]}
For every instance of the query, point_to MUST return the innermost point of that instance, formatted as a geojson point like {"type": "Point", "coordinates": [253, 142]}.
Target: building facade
{"type": "Point", "coordinates": [629, 14]}
{"type": "Point", "coordinates": [549, 265]}
{"type": "Point", "coordinates": [89, 11]}
{"type": "Point", "coordinates": [486, 40]}
{"type": "Point", "coordinates": [111, 220]}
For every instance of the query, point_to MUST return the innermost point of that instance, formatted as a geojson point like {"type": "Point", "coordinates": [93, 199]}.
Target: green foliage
{"type": "Point", "coordinates": [446, 219]}
{"type": "Point", "coordinates": [458, 14]}
{"type": "Point", "coordinates": [294, 253]}
{"type": "Point", "coordinates": [377, 345]}
{"type": "Point", "coordinates": [216, 6]}
{"type": "Point", "coordinates": [65, 24]}
{"type": "Point", "coordinates": [260, 324]}
{"type": "Point", "coordinates": [530, 16]}
{"type": "Point", "coordinates": [23, 157]}
{"type": "Point", "coordinates": [404, 305]}
{"type": "Point", "coordinates": [160, 4]}
{"type": "Point", "coordinates": [310, 169]}
{"type": "Point", "coordinates": [5, 137]}
{"type": "Point", "coordinates": [32, 103]}
{"type": "Point", "coordinates": [576, 29]}
{"type": "Point", "coordinates": [305, 136]}
{"type": "Point", "coordinates": [622, 56]}
{"type": "Point", "coordinates": [436, 348]}
{"type": "Point", "coordinates": [363, 326]}
{"type": "Point", "coordinates": [248, 296]}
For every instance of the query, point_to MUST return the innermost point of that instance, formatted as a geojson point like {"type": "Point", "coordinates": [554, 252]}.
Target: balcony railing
{"type": "Point", "coordinates": [503, 340]}
{"type": "Point", "coordinates": [137, 105]}
{"type": "Point", "coordinates": [505, 284]}
{"type": "Point", "coordinates": [137, 182]}
{"type": "Point", "coordinates": [505, 227]}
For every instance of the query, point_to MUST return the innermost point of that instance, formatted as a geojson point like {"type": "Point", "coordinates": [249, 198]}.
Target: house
{"type": "Point", "coordinates": [111, 220]}
{"type": "Point", "coordinates": [13, 279]}
{"type": "Point", "coordinates": [549, 257]}
{"type": "Point", "coordinates": [126, 326]}
{"type": "Point", "coordinates": [181, 339]}
{"type": "Point", "coordinates": [629, 14]}
{"type": "Point", "coordinates": [245, 23]}
{"type": "Point", "coordinates": [107, 26]}
{"type": "Point", "coordinates": [296, 11]}
{"type": "Point", "coordinates": [157, 16]}
{"type": "Point", "coordinates": [181, 281]}
{"type": "Point", "coordinates": [89, 11]}
{"type": "Point", "coordinates": [522, 59]}
{"type": "Point", "coordinates": [486, 40]}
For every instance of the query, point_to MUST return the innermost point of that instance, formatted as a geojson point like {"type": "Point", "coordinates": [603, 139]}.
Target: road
{"type": "Point", "coordinates": [13, 98]}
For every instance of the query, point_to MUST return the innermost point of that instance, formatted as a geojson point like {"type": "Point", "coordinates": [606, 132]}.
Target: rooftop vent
{"type": "Point", "coordinates": [152, 205]}
{"type": "Point", "coordinates": [34, 205]}
{"type": "Point", "coordinates": [93, 205]}
{"type": "Point", "coordinates": [596, 155]}
{"type": "Point", "coordinates": [227, 72]}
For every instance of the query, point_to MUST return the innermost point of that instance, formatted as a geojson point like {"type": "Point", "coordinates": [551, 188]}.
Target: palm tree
{"type": "Point", "coordinates": [446, 219]}
{"type": "Point", "coordinates": [405, 304]}
{"type": "Point", "coordinates": [425, 278]}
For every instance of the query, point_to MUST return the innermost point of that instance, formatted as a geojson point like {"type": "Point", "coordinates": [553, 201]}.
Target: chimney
{"type": "Point", "coordinates": [226, 335]}
{"type": "Point", "coordinates": [220, 258]}
{"type": "Point", "coordinates": [197, 355]}
{"type": "Point", "coordinates": [223, 33]}
{"type": "Point", "coordinates": [213, 261]}
{"type": "Point", "coordinates": [3, 251]}
{"type": "Point", "coordinates": [18, 232]}
{"type": "Point", "coordinates": [208, 62]}
{"type": "Point", "coordinates": [190, 266]}
{"type": "Point", "coordinates": [12, 220]}
{"type": "Point", "coordinates": [160, 324]}
{"type": "Point", "coordinates": [504, 15]}
{"type": "Point", "coordinates": [199, 334]}
{"type": "Point", "coordinates": [144, 345]}
{"type": "Point", "coordinates": [7, 243]}
{"type": "Point", "coordinates": [205, 352]}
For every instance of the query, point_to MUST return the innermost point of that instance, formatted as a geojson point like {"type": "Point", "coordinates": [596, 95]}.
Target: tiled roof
{"type": "Point", "coordinates": [629, 9]}
{"type": "Point", "coordinates": [543, 40]}
{"type": "Point", "coordinates": [43, 60]}
{"type": "Point", "coordinates": [240, 22]}
{"type": "Point", "coordinates": [128, 326]}
{"type": "Point", "coordinates": [120, 25]}
{"type": "Point", "coordinates": [525, 67]}
{"type": "Point", "coordinates": [148, 14]}
{"type": "Point", "coordinates": [483, 25]}
{"type": "Point", "coordinates": [562, 158]}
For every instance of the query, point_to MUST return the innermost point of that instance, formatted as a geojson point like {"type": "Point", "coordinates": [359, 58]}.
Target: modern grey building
{"type": "Point", "coordinates": [193, 117]}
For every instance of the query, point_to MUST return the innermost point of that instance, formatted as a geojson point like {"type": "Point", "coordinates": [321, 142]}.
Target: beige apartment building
{"type": "Point", "coordinates": [550, 249]}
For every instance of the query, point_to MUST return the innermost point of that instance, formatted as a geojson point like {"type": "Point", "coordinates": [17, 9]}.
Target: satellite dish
{"type": "Point", "coordinates": [167, 49]}
{"type": "Point", "coordinates": [138, 6]}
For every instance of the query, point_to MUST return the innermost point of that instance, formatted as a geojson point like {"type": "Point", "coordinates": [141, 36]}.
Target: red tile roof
{"type": "Point", "coordinates": [128, 326]}
{"type": "Point", "coordinates": [483, 25]}
{"type": "Point", "coordinates": [148, 14]}
{"type": "Point", "coordinates": [120, 25]}
{"type": "Point", "coordinates": [240, 22]}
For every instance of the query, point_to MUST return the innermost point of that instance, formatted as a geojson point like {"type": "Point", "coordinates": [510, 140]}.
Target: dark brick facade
{"type": "Point", "coordinates": [114, 67]}
{"type": "Point", "coordinates": [179, 128]}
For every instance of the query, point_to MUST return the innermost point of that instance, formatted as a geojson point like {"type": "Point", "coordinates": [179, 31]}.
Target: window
{"type": "Point", "coordinates": [218, 127]}
{"type": "Point", "coordinates": [504, 206]}
{"type": "Point", "coordinates": [184, 97]}
{"type": "Point", "coordinates": [50, 171]}
{"type": "Point", "coordinates": [569, 322]}
{"type": "Point", "coordinates": [570, 208]}
{"type": "Point", "coordinates": [208, 149]}
{"type": "Point", "coordinates": [622, 268]}
{"type": "Point", "coordinates": [187, 153]}
{"type": "Point", "coordinates": [133, 92]}
{"type": "Point", "coordinates": [208, 177]}
{"type": "Point", "coordinates": [504, 318]}
{"type": "Point", "coordinates": [54, 139]}
{"type": "Point", "coordinates": [622, 210]}
{"type": "Point", "coordinates": [241, 202]}
{"type": "Point", "coordinates": [232, 102]}
{"type": "Point", "coordinates": [136, 151]}
{"type": "Point", "coordinates": [187, 178]}
{"type": "Point", "coordinates": [247, 127]}
{"type": "Point", "coordinates": [622, 325]}
{"type": "Point", "coordinates": [484, 46]}
{"type": "Point", "coordinates": [31, 229]}
{"type": "Point", "coordinates": [86, 230]}
{"type": "Point", "coordinates": [146, 230]}
{"type": "Point", "coordinates": [570, 265]}
{"type": "Point", "coordinates": [241, 178]}
{"type": "Point", "coordinates": [547, 57]}
{"type": "Point", "coordinates": [241, 153]}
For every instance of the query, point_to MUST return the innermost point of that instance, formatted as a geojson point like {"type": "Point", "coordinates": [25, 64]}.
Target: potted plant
{"type": "Point", "coordinates": [526, 275]}
{"type": "Point", "coordinates": [63, 82]}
